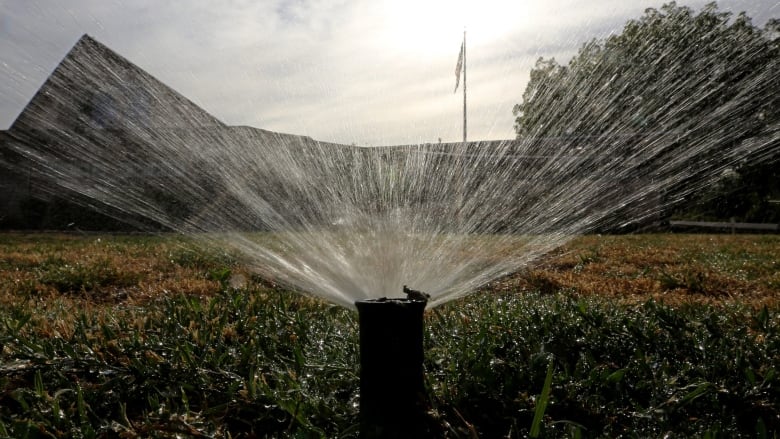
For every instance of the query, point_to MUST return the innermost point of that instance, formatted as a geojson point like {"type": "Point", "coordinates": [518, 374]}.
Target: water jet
{"type": "Point", "coordinates": [350, 224]}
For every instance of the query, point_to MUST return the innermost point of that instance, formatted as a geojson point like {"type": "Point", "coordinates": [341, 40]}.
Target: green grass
{"type": "Point", "coordinates": [234, 364]}
{"type": "Point", "coordinates": [543, 359]}
{"type": "Point", "coordinates": [270, 364]}
{"type": "Point", "coordinates": [635, 371]}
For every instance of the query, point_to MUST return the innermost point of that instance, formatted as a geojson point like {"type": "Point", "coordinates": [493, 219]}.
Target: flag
{"type": "Point", "coordinates": [459, 66]}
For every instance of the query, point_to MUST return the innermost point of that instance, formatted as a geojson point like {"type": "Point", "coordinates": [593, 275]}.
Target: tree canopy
{"type": "Point", "coordinates": [665, 67]}
{"type": "Point", "coordinates": [673, 81]}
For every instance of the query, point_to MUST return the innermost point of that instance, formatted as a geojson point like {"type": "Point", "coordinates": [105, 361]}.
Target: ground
{"type": "Point", "coordinates": [103, 269]}
{"type": "Point", "coordinates": [631, 336]}
{"type": "Point", "coordinates": [669, 268]}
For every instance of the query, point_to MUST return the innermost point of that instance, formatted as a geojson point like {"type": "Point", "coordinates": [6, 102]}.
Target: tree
{"type": "Point", "coordinates": [674, 85]}
{"type": "Point", "coordinates": [668, 61]}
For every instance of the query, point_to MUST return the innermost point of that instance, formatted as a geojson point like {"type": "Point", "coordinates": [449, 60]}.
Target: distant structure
{"type": "Point", "coordinates": [100, 95]}
{"type": "Point", "coordinates": [108, 90]}
{"type": "Point", "coordinates": [95, 97]}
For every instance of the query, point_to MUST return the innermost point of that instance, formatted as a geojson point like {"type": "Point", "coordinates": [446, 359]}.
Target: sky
{"type": "Point", "coordinates": [361, 72]}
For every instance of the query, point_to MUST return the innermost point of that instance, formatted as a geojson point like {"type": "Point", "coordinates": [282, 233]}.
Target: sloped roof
{"type": "Point", "coordinates": [96, 87]}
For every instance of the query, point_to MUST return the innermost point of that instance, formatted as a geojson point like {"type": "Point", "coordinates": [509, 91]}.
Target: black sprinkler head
{"type": "Point", "coordinates": [393, 403]}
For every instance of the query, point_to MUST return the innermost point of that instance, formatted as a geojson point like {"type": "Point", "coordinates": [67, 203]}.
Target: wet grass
{"type": "Point", "coordinates": [673, 269]}
{"type": "Point", "coordinates": [235, 364]}
{"type": "Point", "coordinates": [146, 337]}
{"type": "Point", "coordinates": [648, 370]}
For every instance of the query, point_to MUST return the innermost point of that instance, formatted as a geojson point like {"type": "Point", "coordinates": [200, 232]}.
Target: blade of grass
{"type": "Point", "coordinates": [541, 403]}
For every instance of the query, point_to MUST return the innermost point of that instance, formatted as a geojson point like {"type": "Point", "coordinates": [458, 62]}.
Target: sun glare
{"type": "Point", "coordinates": [435, 27]}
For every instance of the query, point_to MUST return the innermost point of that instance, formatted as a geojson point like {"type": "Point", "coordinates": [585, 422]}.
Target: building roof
{"type": "Point", "coordinates": [95, 87]}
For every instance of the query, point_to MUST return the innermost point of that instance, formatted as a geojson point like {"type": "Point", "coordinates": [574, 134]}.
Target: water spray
{"type": "Point", "coordinates": [393, 403]}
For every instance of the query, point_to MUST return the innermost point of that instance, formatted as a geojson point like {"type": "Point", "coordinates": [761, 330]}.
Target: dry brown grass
{"type": "Point", "coordinates": [669, 268]}
{"type": "Point", "coordinates": [58, 277]}
{"type": "Point", "coordinates": [66, 272]}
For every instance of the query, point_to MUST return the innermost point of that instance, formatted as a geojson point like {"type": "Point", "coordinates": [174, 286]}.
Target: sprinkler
{"type": "Point", "coordinates": [392, 391]}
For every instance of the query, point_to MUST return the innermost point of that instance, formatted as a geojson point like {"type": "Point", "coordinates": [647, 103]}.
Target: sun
{"type": "Point", "coordinates": [435, 27]}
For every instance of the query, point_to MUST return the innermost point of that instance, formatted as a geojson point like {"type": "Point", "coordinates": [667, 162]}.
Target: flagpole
{"type": "Point", "coordinates": [464, 86]}
{"type": "Point", "coordinates": [462, 66]}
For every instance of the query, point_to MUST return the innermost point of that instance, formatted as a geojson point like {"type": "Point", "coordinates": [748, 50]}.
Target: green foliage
{"type": "Point", "coordinates": [541, 404]}
{"type": "Point", "coordinates": [208, 259]}
{"type": "Point", "coordinates": [633, 79]}
{"type": "Point", "coordinates": [80, 277]}
{"type": "Point", "coordinates": [672, 86]}
{"type": "Point", "coordinates": [691, 281]}
{"type": "Point", "coordinates": [234, 365]}
{"type": "Point", "coordinates": [618, 371]}
{"type": "Point", "coordinates": [750, 193]}
{"type": "Point", "coordinates": [268, 363]}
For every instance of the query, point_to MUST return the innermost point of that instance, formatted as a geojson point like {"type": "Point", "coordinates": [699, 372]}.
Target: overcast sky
{"type": "Point", "coordinates": [350, 71]}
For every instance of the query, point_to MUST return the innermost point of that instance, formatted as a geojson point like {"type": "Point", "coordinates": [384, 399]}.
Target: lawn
{"type": "Point", "coordinates": [139, 336]}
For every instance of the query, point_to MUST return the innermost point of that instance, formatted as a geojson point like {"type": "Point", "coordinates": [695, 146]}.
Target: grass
{"type": "Point", "coordinates": [635, 371]}
{"type": "Point", "coordinates": [144, 337]}
{"type": "Point", "coordinates": [673, 269]}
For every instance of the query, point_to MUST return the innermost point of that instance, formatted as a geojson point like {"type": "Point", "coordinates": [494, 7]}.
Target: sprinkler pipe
{"type": "Point", "coordinates": [393, 402]}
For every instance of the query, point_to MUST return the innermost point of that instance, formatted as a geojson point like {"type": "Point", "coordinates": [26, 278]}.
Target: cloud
{"type": "Point", "coordinates": [368, 72]}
